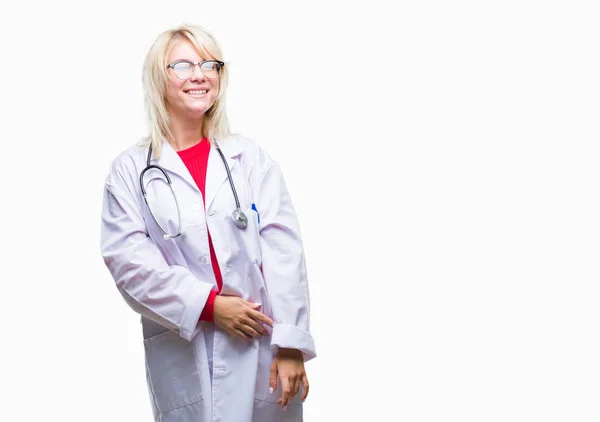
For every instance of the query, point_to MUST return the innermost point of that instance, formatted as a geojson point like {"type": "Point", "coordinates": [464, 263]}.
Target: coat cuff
{"type": "Point", "coordinates": [208, 313]}
{"type": "Point", "coordinates": [193, 310]}
{"type": "Point", "coordinates": [291, 337]}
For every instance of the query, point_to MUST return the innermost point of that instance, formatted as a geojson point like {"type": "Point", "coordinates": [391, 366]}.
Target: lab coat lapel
{"type": "Point", "coordinates": [172, 162]}
{"type": "Point", "coordinates": [216, 174]}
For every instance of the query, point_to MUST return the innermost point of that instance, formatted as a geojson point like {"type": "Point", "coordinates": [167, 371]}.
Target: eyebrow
{"type": "Point", "coordinates": [191, 61]}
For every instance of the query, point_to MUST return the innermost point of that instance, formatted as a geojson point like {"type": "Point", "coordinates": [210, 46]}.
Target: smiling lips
{"type": "Point", "coordinates": [196, 92]}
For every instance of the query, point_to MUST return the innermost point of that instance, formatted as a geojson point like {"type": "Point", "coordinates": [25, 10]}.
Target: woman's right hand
{"type": "Point", "coordinates": [240, 317]}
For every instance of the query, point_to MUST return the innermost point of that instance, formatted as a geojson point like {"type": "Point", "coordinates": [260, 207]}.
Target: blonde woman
{"type": "Point", "coordinates": [201, 238]}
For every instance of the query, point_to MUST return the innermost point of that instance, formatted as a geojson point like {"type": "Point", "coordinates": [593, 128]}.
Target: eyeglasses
{"type": "Point", "coordinates": [185, 70]}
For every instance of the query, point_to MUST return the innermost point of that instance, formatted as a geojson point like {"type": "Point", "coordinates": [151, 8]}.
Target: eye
{"type": "Point", "coordinates": [182, 66]}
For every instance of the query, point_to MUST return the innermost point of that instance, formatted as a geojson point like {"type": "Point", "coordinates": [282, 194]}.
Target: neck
{"type": "Point", "coordinates": [185, 133]}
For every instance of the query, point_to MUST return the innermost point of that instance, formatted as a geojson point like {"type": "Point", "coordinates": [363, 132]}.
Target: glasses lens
{"type": "Point", "coordinates": [183, 70]}
{"type": "Point", "coordinates": [210, 69]}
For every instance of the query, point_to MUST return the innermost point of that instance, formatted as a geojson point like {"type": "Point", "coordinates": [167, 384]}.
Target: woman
{"type": "Point", "coordinates": [201, 237]}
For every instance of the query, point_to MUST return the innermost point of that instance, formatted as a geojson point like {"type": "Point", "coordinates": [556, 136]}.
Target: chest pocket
{"type": "Point", "coordinates": [234, 245]}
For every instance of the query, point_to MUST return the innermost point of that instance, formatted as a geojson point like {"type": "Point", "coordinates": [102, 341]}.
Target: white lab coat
{"type": "Point", "coordinates": [168, 281]}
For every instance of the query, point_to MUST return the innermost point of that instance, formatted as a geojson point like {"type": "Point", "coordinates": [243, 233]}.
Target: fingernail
{"type": "Point", "coordinates": [258, 304]}
{"type": "Point", "coordinates": [271, 390]}
{"type": "Point", "coordinates": [284, 407]}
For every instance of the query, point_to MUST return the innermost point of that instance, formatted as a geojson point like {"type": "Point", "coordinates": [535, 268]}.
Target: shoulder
{"type": "Point", "coordinates": [256, 163]}
{"type": "Point", "coordinates": [125, 165]}
{"type": "Point", "coordinates": [250, 150]}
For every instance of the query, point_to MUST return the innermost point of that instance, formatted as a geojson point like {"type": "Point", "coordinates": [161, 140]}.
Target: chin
{"type": "Point", "coordinates": [199, 107]}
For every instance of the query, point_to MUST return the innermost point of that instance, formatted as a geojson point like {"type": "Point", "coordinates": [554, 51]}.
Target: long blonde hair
{"type": "Point", "coordinates": [154, 78]}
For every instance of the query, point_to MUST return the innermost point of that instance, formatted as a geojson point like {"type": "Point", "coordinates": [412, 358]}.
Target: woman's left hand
{"type": "Point", "coordinates": [289, 365]}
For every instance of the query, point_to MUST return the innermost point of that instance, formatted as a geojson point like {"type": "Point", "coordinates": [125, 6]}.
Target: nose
{"type": "Point", "coordinates": [197, 74]}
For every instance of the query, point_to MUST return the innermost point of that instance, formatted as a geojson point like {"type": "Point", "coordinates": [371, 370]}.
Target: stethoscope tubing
{"type": "Point", "coordinates": [239, 217]}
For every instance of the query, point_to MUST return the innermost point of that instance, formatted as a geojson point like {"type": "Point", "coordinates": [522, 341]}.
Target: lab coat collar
{"type": "Point", "coordinates": [172, 162]}
{"type": "Point", "coordinates": [215, 172]}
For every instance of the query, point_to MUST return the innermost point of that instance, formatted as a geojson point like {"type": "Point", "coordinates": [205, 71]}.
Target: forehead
{"type": "Point", "coordinates": [184, 50]}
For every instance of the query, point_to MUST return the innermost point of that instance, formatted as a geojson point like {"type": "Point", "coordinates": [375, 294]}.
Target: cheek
{"type": "Point", "coordinates": [173, 90]}
{"type": "Point", "coordinates": [214, 87]}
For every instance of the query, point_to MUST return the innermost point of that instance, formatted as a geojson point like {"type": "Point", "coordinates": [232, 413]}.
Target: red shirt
{"type": "Point", "coordinates": [196, 160]}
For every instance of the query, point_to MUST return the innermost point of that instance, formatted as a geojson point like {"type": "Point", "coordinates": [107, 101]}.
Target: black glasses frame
{"type": "Point", "coordinates": [199, 64]}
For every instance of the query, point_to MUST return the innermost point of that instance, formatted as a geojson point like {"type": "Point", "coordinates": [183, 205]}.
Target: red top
{"type": "Point", "coordinates": [196, 160]}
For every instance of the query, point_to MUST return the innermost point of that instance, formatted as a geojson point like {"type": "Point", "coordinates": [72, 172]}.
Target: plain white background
{"type": "Point", "coordinates": [443, 159]}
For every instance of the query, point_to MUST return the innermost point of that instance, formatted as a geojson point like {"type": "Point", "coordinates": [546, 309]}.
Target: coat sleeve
{"type": "Point", "coordinates": [283, 262]}
{"type": "Point", "coordinates": [167, 294]}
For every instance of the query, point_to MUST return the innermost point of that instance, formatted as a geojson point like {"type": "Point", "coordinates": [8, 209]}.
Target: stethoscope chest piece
{"type": "Point", "coordinates": [239, 218]}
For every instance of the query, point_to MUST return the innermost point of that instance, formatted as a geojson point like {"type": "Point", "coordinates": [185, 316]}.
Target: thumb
{"type": "Point", "coordinates": [273, 377]}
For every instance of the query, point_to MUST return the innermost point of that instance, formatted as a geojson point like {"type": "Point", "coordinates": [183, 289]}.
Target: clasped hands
{"type": "Point", "coordinates": [241, 318]}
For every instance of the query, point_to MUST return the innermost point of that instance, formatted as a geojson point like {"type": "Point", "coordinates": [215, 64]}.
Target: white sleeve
{"type": "Point", "coordinates": [167, 294]}
{"type": "Point", "coordinates": [283, 262]}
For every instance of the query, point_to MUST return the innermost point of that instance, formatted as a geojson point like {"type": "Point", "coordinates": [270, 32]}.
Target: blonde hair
{"type": "Point", "coordinates": [155, 77]}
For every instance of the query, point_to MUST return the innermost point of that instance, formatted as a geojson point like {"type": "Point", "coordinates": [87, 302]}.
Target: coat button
{"type": "Point", "coordinates": [203, 260]}
{"type": "Point", "coordinates": [196, 207]}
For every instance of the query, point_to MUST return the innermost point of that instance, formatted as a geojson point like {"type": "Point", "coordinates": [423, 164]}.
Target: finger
{"type": "Point", "coordinates": [257, 327]}
{"type": "Point", "coordinates": [250, 331]}
{"type": "Point", "coordinates": [259, 316]}
{"type": "Point", "coordinates": [296, 388]}
{"type": "Point", "coordinates": [287, 392]}
{"type": "Point", "coordinates": [252, 304]}
{"type": "Point", "coordinates": [241, 334]}
{"type": "Point", "coordinates": [273, 377]}
{"type": "Point", "coordinates": [304, 387]}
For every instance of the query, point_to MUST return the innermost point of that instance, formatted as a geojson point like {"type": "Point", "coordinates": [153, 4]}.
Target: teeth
{"type": "Point", "coordinates": [197, 92]}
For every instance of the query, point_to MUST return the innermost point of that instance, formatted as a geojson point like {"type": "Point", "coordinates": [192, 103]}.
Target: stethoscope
{"type": "Point", "coordinates": [239, 218]}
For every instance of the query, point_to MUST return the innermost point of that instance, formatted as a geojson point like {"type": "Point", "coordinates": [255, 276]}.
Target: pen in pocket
{"type": "Point", "coordinates": [255, 210]}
